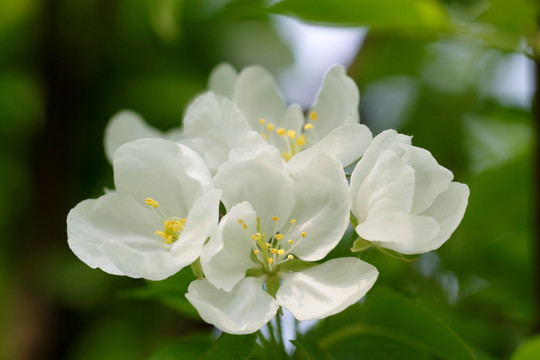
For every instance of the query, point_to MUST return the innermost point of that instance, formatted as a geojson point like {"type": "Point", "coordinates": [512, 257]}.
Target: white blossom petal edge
{"type": "Point", "coordinates": [156, 222]}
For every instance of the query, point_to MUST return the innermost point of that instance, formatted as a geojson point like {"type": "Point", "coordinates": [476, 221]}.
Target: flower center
{"type": "Point", "coordinates": [271, 251]}
{"type": "Point", "coordinates": [287, 140]}
{"type": "Point", "coordinates": [172, 226]}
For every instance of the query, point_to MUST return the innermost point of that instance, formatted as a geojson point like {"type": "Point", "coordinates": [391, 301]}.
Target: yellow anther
{"type": "Point", "coordinates": [301, 141]}
{"type": "Point", "coordinates": [244, 226]}
{"type": "Point", "coordinates": [304, 234]}
{"type": "Point", "coordinates": [291, 134]}
{"type": "Point", "coordinates": [169, 239]}
{"type": "Point", "coordinates": [255, 251]}
{"type": "Point", "coordinates": [313, 115]}
{"type": "Point", "coordinates": [177, 226]}
{"type": "Point", "coordinates": [290, 257]}
{"type": "Point", "coordinates": [293, 221]}
{"type": "Point", "coordinates": [270, 260]}
{"type": "Point", "coordinates": [160, 233]}
{"type": "Point", "coordinates": [262, 121]}
{"type": "Point", "coordinates": [308, 127]}
{"type": "Point", "coordinates": [286, 155]}
{"type": "Point", "coordinates": [273, 251]}
{"type": "Point", "coordinates": [281, 131]}
{"type": "Point", "coordinates": [279, 236]}
{"type": "Point", "coordinates": [291, 241]}
{"type": "Point", "coordinates": [267, 245]}
{"type": "Point", "coordinates": [254, 237]}
{"type": "Point", "coordinates": [270, 127]}
{"type": "Point", "coordinates": [275, 218]}
{"type": "Point", "coordinates": [240, 221]}
{"type": "Point", "coordinates": [151, 202]}
{"type": "Point", "coordinates": [281, 252]}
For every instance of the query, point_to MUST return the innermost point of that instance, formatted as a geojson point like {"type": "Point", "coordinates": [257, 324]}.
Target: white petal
{"type": "Point", "coordinates": [220, 125]}
{"type": "Point", "coordinates": [431, 179]}
{"type": "Point", "coordinates": [112, 218]}
{"type": "Point", "coordinates": [389, 187]}
{"type": "Point", "coordinates": [448, 209]}
{"type": "Point", "coordinates": [386, 140]}
{"type": "Point", "coordinates": [400, 232]}
{"type": "Point", "coordinates": [326, 289]}
{"type": "Point", "coordinates": [257, 180]}
{"type": "Point", "coordinates": [257, 96]}
{"type": "Point", "coordinates": [346, 143]}
{"type": "Point", "coordinates": [293, 118]}
{"type": "Point", "coordinates": [201, 222]}
{"type": "Point", "coordinates": [227, 256]}
{"type": "Point", "coordinates": [222, 80]}
{"type": "Point", "coordinates": [337, 103]}
{"type": "Point", "coordinates": [124, 127]}
{"type": "Point", "coordinates": [244, 310]}
{"type": "Point", "coordinates": [322, 205]}
{"type": "Point", "coordinates": [170, 173]}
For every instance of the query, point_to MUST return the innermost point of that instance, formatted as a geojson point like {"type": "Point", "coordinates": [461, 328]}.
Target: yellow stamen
{"type": "Point", "coordinates": [240, 221]}
{"type": "Point", "coordinates": [281, 131]}
{"type": "Point", "coordinates": [304, 234]}
{"type": "Point", "coordinates": [291, 134]}
{"type": "Point", "coordinates": [153, 203]}
{"type": "Point", "coordinates": [270, 260]}
{"type": "Point", "coordinates": [255, 251]}
{"type": "Point", "coordinates": [290, 257]}
{"type": "Point", "coordinates": [308, 127]}
{"type": "Point", "coordinates": [254, 237]}
{"type": "Point", "coordinates": [293, 221]}
{"type": "Point", "coordinates": [274, 251]}
{"type": "Point", "coordinates": [244, 226]}
{"type": "Point", "coordinates": [290, 241]}
{"type": "Point", "coordinates": [275, 218]}
{"type": "Point", "coordinates": [267, 245]}
{"type": "Point", "coordinates": [262, 121]}
{"type": "Point", "coordinates": [313, 115]}
{"type": "Point", "coordinates": [286, 155]}
{"type": "Point", "coordinates": [270, 127]}
{"type": "Point", "coordinates": [279, 236]}
{"type": "Point", "coordinates": [301, 140]}
{"type": "Point", "coordinates": [160, 233]}
{"type": "Point", "coordinates": [281, 252]}
{"type": "Point", "coordinates": [169, 239]}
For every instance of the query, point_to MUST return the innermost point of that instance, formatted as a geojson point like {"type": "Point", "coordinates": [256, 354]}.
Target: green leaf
{"type": "Point", "coordinates": [530, 349]}
{"type": "Point", "coordinates": [190, 348]}
{"type": "Point", "coordinates": [376, 13]}
{"type": "Point", "coordinates": [233, 347]}
{"type": "Point", "coordinates": [386, 326]}
{"type": "Point", "coordinates": [171, 292]}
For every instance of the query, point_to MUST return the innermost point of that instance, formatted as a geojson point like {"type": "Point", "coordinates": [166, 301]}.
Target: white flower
{"type": "Point", "coordinates": [331, 126]}
{"type": "Point", "coordinates": [156, 222]}
{"type": "Point", "coordinates": [275, 222]}
{"type": "Point", "coordinates": [402, 198]}
{"type": "Point", "coordinates": [126, 126]}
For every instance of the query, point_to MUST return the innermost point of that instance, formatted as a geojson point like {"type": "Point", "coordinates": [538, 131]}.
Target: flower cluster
{"type": "Point", "coordinates": [279, 173]}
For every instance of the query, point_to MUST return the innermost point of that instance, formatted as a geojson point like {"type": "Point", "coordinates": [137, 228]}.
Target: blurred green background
{"type": "Point", "coordinates": [458, 75]}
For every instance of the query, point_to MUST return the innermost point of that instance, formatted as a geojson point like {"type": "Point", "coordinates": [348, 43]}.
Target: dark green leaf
{"type": "Point", "coordinates": [233, 347]}
{"type": "Point", "coordinates": [386, 326]}
{"type": "Point", "coordinates": [376, 13]}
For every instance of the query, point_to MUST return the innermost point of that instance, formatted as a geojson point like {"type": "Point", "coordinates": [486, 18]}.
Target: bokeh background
{"type": "Point", "coordinates": [460, 76]}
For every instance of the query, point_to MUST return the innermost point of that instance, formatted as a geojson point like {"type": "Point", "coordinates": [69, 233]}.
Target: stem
{"type": "Point", "coordinates": [280, 335]}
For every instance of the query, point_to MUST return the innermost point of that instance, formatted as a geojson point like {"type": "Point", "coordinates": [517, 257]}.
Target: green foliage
{"type": "Point", "coordinates": [377, 13]}
{"type": "Point", "coordinates": [227, 347]}
{"type": "Point", "coordinates": [386, 326]}
{"type": "Point", "coordinates": [530, 349]}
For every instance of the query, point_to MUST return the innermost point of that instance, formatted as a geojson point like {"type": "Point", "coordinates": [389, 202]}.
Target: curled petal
{"type": "Point", "coordinates": [337, 102]}
{"type": "Point", "coordinates": [346, 143]}
{"type": "Point", "coordinates": [322, 205]}
{"type": "Point", "coordinates": [243, 310]}
{"type": "Point", "coordinates": [326, 289]}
